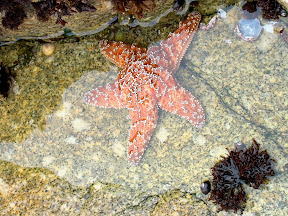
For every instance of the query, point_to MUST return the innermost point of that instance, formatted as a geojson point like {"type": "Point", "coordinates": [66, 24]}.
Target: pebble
{"type": "Point", "coordinates": [80, 125]}
{"type": "Point", "coordinates": [48, 49]}
{"type": "Point", "coordinates": [205, 187]}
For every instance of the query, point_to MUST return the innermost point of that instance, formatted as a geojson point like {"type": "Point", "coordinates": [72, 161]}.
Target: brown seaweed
{"type": "Point", "coordinates": [14, 13]}
{"type": "Point", "coordinates": [241, 165]}
{"type": "Point", "coordinates": [47, 8]}
{"type": "Point", "coordinates": [271, 9]}
{"type": "Point", "coordinates": [135, 7]}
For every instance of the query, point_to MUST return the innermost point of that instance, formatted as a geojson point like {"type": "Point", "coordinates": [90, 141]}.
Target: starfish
{"type": "Point", "coordinates": [146, 82]}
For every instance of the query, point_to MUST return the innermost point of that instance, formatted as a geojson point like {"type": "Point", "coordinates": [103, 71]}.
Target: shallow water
{"type": "Point", "coordinates": [242, 87]}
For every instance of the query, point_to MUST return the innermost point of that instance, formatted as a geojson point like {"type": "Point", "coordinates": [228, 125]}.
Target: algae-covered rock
{"type": "Point", "coordinates": [36, 191]}
{"type": "Point", "coordinates": [180, 203]}
{"type": "Point", "coordinates": [40, 81]}
{"type": "Point", "coordinates": [76, 22]}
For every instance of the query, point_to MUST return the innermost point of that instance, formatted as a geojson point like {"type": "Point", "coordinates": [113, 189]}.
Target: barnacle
{"type": "Point", "coordinates": [242, 165]}
{"type": "Point", "coordinates": [135, 7]}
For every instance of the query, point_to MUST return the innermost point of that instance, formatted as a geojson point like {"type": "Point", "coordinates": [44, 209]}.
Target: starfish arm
{"type": "Point", "coordinates": [179, 101]}
{"type": "Point", "coordinates": [106, 97]}
{"type": "Point", "coordinates": [171, 51]}
{"type": "Point", "coordinates": [146, 83]}
{"type": "Point", "coordinates": [120, 53]}
{"type": "Point", "coordinates": [144, 120]}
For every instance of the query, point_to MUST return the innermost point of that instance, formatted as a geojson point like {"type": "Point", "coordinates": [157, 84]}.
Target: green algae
{"type": "Point", "coordinates": [36, 191]}
{"type": "Point", "coordinates": [185, 203]}
{"type": "Point", "coordinates": [142, 36]}
{"type": "Point", "coordinates": [40, 82]}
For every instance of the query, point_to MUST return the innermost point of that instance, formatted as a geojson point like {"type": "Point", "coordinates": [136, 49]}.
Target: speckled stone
{"type": "Point", "coordinates": [176, 202]}
{"type": "Point", "coordinates": [241, 85]}
{"type": "Point", "coordinates": [36, 191]}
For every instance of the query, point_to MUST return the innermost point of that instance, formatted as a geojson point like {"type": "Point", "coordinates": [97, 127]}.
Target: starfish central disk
{"type": "Point", "coordinates": [146, 82]}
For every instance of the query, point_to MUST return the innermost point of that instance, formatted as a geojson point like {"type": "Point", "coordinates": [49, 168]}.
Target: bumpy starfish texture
{"type": "Point", "coordinates": [146, 82]}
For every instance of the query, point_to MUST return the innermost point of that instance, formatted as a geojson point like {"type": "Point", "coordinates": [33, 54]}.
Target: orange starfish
{"type": "Point", "coordinates": [146, 82]}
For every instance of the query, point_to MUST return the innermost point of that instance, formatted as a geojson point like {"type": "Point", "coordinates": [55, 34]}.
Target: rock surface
{"type": "Point", "coordinates": [78, 23]}
{"type": "Point", "coordinates": [241, 85]}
